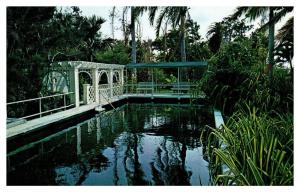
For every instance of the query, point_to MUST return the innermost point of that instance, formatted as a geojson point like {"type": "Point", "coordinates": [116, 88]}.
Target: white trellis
{"type": "Point", "coordinates": [94, 92]}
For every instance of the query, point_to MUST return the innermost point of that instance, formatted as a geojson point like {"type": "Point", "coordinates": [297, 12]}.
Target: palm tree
{"type": "Point", "coordinates": [135, 13]}
{"type": "Point", "coordinates": [112, 16]}
{"type": "Point", "coordinates": [214, 35]}
{"type": "Point", "coordinates": [132, 27]}
{"type": "Point", "coordinates": [91, 42]}
{"type": "Point", "coordinates": [284, 50]}
{"type": "Point", "coordinates": [275, 14]}
{"type": "Point", "coordinates": [176, 16]}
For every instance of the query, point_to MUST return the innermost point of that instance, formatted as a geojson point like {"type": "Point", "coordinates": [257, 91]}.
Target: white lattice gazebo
{"type": "Point", "coordinates": [95, 92]}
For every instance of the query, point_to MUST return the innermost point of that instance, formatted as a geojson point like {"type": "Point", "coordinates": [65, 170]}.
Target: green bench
{"type": "Point", "coordinates": [182, 87]}
{"type": "Point", "coordinates": [145, 87]}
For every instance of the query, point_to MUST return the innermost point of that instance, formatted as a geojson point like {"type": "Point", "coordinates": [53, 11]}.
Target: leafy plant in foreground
{"type": "Point", "coordinates": [258, 149]}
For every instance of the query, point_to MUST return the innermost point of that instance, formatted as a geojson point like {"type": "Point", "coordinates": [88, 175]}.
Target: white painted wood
{"type": "Point", "coordinates": [95, 84]}
{"type": "Point", "coordinates": [86, 65]}
{"type": "Point", "coordinates": [110, 82]}
{"type": "Point", "coordinates": [122, 77]}
{"type": "Point", "coordinates": [86, 98]}
{"type": "Point", "coordinates": [76, 83]}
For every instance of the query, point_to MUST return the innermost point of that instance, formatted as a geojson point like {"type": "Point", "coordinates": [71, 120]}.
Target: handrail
{"type": "Point", "coordinates": [33, 99]}
{"type": "Point", "coordinates": [51, 110]}
{"type": "Point", "coordinates": [40, 113]}
{"type": "Point", "coordinates": [158, 87]}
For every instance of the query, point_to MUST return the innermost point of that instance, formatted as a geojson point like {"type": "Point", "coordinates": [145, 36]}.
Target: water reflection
{"type": "Point", "coordinates": [134, 145]}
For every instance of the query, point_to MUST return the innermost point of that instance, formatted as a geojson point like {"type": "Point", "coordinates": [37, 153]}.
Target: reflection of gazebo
{"type": "Point", "coordinates": [102, 76]}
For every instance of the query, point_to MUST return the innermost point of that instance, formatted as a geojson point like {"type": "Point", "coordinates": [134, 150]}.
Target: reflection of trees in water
{"type": "Point", "coordinates": [168, 167]}
{"type": "Point", "coordinates": [115, 168]}
{"type": "Point", "coordinates": [132, 166]}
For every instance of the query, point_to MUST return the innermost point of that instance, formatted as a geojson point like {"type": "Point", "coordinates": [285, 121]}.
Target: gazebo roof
{"type": "Point", "coordinates": [86, 65]}
{"type": "Point", "coordinates": [167, 64]}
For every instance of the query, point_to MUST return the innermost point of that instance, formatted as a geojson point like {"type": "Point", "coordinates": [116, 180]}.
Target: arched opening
{"type": "Point", "coordinates": [54, 82]}
{"type": "Point", "coordinates": [116, 77]}
{"type": "Point", "coordinates": [103, 78]}
{"type": "Point", "coordinates": [103, 85]}
{"type": "Point", "coordinates": [84, 78]}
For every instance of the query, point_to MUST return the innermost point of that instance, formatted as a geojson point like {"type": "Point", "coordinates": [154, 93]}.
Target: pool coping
{"type": "Point", "coordinates": [219, 123]}
{"type": "Point", "coordinates": [39, 123]}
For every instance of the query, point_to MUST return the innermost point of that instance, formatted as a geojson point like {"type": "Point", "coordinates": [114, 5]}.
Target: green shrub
{"type": "Point", "coordinates": [259, 149]}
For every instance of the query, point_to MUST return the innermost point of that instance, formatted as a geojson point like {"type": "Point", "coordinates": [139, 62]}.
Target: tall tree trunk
{"type": "Point", "coordinates": [113, 14]}
{"type": "Point", "coordinates": [124, 26]}
{"type": "Point", "coordinates": [182, 47]}
{"type": "Point", "coordinates": [133, 44]}
{"type": "Point", "coordinates": [182, 40]}
{"type": "Point", "coordinates": [271, 44]}
{"type": "Point", "coordinates": [165, 41]}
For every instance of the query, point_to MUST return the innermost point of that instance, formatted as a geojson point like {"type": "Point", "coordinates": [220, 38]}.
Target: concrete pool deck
{"type": "Point", "coordinates": [44, 121]}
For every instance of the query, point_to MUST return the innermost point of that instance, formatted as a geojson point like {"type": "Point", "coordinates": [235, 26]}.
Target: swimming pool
{"type": "Point", "coordinates": [136, 144]}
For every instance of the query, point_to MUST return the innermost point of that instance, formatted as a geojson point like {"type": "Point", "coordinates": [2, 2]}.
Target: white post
{"type": "Point", "coordinates": [126, 75]}
{"type": "Point", "coordinates": [95, 84]}
{"type": "Point", "coordinates": [111, 74]}
{"type": "Point", "coordinates": [40, 107]}
{"type": "Point", "coordinates": [86, 98]}
{"type": "Point", "coordinates": [76, 82]}
{"type": "Point", "coordinates": [71, 87]}
{"type": "Point", "coordinates": [121, 81]}
{"type": "Point", "coordinates": [122, 77]}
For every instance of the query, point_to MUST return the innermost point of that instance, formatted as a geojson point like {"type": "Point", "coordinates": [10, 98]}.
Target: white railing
{"type": "Point", "coordinates": [39, 99]}
{"type": "Point", "coordinates": [117, 90]}
{"type": "Point", "coordinates": [104, 92]}
{"type": "Point", "coordinates": [91, 95]}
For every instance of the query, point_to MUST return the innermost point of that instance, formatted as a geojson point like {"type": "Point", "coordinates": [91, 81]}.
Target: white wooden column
{"type": "Point", "coordinates": [76, 83]}
{"type": "Point", "coordinates": [71, 87]}
{"type": "Point", "coordinates": [95, 84]}
{"type": "Point", "coordinates": [122, 77]}
{"type": "Point", "coordinates": [122, 81]}
{"type": "Point", "coordinates": [86, 97]}
{"type": "Point", "coordinates": [111, 74]}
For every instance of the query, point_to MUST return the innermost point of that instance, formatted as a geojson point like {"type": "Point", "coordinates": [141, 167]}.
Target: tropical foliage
{"type": "Point", "coordinates": [258, 149]}
{"type": "Point", "coordinates": [255, 146]}
{"type": "Point", "coordinates": [249, 75]}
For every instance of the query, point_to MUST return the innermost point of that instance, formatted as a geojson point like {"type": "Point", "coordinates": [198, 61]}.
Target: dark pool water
{"type": "Point", "coordinates": [138, 144]}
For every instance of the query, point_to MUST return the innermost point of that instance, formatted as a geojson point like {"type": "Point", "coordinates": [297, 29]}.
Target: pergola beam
{"type": "Point", "coordinates": [199, 64]}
